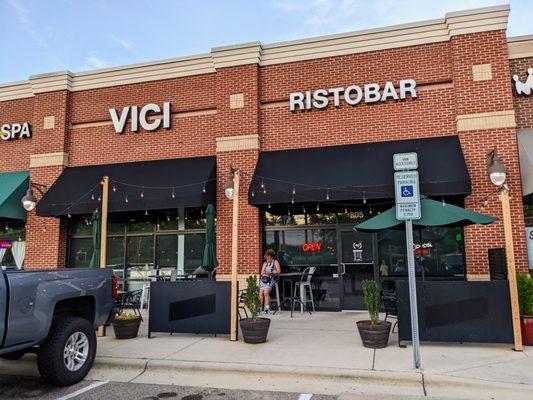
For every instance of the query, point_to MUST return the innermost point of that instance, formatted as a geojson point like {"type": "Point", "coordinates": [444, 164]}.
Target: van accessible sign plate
{"type": "Point", "coordinates": [405, 161]}
{"type": "Point", "coordinates": [407, 195]}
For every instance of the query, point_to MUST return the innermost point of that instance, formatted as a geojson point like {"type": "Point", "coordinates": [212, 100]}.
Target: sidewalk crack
{"type": "Point", "coordinates": [184, 348]}
{"type": "Point", "coordinates": [142, 372]}
{"type": "Point", "coordinates": [423, 384]}
{"type": "Point", "coordinates": [374, 360]}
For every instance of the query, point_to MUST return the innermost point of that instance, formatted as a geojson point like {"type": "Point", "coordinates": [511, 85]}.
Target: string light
{"type": "Point", "coordinates": [186, 216]}
{"type": "Point", "coordinates": [202, 211]}
{"type": "Point", "coordinates": [292, 199]}
{"type": "Point", "coordinates": [262, 185]}
{"type": "Point", "coordinates": [327, 195]}
{"type": "Point", "coordinates": [288, 210]}
{"type": "Point", "coordinates": [204, 189]}
{"type": "Point", "coordinates": [69, 216]}
{"type": "Point", "coordinates": [168, 217]}
{"type": "Point", "coordinates": [7, 227]}
{"type": "Point", "coordinates": [370, 208]}
{"type": "Point", "coordinates": [293, 190]}
{"type": "Point", "coordinates": [345, 209]}
{"type": "Point", "coordinates": [318, 206]}
{"type": "Point", "coordinates": [126, 199]}
{"type": "Point", "coordinates": [145, 212]}
{"type": "Point", "coordinates": [304, 209]}
{"type": "Point", "coordinates": [142, 193]}
{"type": "Point", "coordinates": [92, 196]}
{"type": "Point", "coordinates": [173, 194]}
{"type": "Point", "coordinates": [253, 194]}
{"type": "Point", "coordinates": [99, 198]}
{"type": "Point", "coordinates": [114, 188]}
{"type": "Point", "coordinates": [264, 190]}
{"type": "Point", "coordinates": [364, 198]}
{"type": "Point", "coordinates": [269, 206]}
{"type": "Point", "coordinates": [443, 202]}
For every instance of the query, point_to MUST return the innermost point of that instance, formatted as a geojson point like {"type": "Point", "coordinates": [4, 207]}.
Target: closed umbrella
{"type": "Point", "coordinates": [434, 213]}
{"type": "Point", "coordinates": [209, 261]}
{"type": "Point", "coordinates": [96, 224]}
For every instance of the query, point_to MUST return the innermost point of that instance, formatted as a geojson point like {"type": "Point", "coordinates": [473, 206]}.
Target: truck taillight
{"type": "Point", "coordinates": [114, 286]}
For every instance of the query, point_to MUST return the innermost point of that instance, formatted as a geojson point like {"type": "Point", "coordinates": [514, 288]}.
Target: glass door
{"type": "Point", "coordinates": [357, 260]}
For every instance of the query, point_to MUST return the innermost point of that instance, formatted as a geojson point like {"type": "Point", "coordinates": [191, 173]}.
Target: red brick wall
{"type": "Point", "coordinates": [16, 152]}
{"type": "Point", "coordinates": [523, 105]}
{"type": "Point", "coordinates": [443, 72]}
{"type": "Point", "coordinates": [478, 97]}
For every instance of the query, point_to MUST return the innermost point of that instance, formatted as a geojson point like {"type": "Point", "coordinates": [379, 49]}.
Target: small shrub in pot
{"type": "Point", "coordinates": [374, 333]}
{"type": "Point", "coordinates": [525, 300]}
{"type": "Point", "coordinates": [126, 325]}
{"type": "Point", "coordinates": [254, 329]}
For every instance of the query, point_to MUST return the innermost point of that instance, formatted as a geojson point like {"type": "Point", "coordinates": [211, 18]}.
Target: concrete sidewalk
{"type": "Point", "coordinates": [322, 354]}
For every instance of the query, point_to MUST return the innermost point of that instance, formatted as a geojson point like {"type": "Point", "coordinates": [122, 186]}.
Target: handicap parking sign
{"type": "Point", "coordinates": [407, 191]}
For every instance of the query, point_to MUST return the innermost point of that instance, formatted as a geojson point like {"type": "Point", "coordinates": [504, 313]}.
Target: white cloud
{"type": "Point", "coordinates": [24, 17]}
{"type": "Point", "coordinates": [95, 62]}
{"type": "Point", "coordinates": [320, 17]}
{"type": "Point", "coordinates": [123, 42]}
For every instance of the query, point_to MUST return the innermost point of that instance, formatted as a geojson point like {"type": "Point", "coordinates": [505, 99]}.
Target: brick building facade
{"type": "Point", "coordinates": [233, 104]}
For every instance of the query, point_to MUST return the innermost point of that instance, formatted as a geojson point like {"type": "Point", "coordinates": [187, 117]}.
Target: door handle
{"type": "Point", "coordinates": [343, 268]}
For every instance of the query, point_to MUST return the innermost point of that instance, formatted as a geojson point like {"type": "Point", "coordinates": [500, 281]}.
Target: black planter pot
{"type": "Point", "coordinates": [127, 328]}
{"type": "Point", "coordinates": [255, 331]}
{"type": "Point", "coordinates": [374, 336]}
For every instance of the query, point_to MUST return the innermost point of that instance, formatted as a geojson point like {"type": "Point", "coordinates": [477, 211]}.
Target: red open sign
{"type": "Point", "coordinates": [311, 247]}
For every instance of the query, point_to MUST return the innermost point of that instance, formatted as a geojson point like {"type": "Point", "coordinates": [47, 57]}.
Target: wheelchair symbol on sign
{"type": "Point", "coordinates": [407, 191]}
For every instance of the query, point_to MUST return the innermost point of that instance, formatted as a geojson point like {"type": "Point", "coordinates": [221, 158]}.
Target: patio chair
{"type": "Point", "coordinates": [300, 291]}
{"type": "Point", "coordinates": [390, 303]}
{"type": "Point", "coordinates": [277, 297]}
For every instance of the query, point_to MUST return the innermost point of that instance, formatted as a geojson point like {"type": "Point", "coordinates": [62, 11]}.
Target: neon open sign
{"type": "Point", "coordinates": [311, 247]}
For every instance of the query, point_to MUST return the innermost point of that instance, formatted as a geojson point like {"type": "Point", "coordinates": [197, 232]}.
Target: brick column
{"type": "Point", "coordinates": [47, 237]}
{"type": "Point", "coordinates": [237, 93]}
{"type": "Point", "coordinates": [485, 120]}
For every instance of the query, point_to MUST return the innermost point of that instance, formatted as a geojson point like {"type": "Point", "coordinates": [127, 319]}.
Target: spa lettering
{"type": "Point", "coordinates": [352, 95]}
{"type": "Point", "coordinates": [15, 131]}
{"type": "Point", "coordinates": [145, 117]}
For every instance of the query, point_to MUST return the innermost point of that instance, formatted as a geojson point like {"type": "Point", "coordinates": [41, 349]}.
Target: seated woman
{"type": "Point", "coordinates": [270, 268]}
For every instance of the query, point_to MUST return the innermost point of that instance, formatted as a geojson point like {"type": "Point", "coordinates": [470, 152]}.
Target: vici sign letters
{"type": "Point", "coordinates": [141, 117]}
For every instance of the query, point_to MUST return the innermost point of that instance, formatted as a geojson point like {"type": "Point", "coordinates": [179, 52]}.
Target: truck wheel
{"type": "Point", "coordinates": [68, 352]}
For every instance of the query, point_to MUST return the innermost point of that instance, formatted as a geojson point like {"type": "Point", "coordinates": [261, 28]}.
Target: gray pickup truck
{"type": "Point", "coordinates": [55, 313]}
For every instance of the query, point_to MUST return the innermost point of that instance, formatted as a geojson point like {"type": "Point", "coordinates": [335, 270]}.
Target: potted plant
{"type": "Point", "coordinates": [126, 325]}
{"type": "Point", "coordinates": [254, 330]}
{"type": "Point", "coordinates": [374, 333]}
{"type": "Point", "coordinates": [525, 300]}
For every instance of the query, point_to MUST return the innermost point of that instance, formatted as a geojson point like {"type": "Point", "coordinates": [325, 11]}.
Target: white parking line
{"type": "Point", "coordinates": [82, 390]}
{"type": "Point", "coordinates": [305, 396]}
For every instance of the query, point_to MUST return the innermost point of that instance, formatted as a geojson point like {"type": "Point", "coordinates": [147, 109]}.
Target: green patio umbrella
{"type": "Point", "coordinates": [209, 261]}
{"type": "Point", "coordinates": [96, 224]}
{"type": "Point", "coordinates": [434, 213]}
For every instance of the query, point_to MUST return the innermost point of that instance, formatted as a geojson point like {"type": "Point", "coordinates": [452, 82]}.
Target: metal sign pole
{"type": "Point", "coordinates": [412, 292]}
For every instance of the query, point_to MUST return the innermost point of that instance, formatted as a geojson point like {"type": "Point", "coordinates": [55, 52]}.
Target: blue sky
{"type": "Point", "coordinates": [41, 36]}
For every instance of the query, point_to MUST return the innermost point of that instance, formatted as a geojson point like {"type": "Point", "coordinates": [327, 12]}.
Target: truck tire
{"type": "Point", "coordinates": [68, 352]}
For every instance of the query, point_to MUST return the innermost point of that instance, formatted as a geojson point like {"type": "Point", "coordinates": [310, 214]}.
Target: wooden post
{"type": "Point", "coordinates": [103, 234]}
{"type": "Point", "coordinates": [234, 253]}
{"type": "Point", "coordinates": [511, 269]}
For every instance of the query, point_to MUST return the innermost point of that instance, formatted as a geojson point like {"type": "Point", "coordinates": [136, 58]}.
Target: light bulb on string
{"type": "Point", "coordinates": [92, 196]}
{"type": "Point", "coordinates": [202, 210]}
{"type": "Point", "coordinates": [173, 194]}
{"type": "Point", "coordinates": [168, 217]}
{"type": "Point", "coordinates": [364, 198]}
{"type": "Point", "coordinates": [99, 198]}
{"type": "Point", "coordinates": [345, 209]}
{"type": "Point", "coordinates": [293, 190]}
{"type": "Point", "coordinates": [204, 189]}
{"type": "Point", "coordinates": [145, 212]}
{"type": "Point", "coordinates": [7, 227]}
{"type": "Point", "coordinates": [327, 195]}
{"type": "Point", "coordinates": [292, 199]}
{"type": "Point", "coordinates": [269, 206]}
{"type": "Point", "coordinates": [253, 193]}
{"type": "Point", "coordinates": [370, 209]}
{"type": "Point", "coordinates": [69, 216]}
{"type": "Point", "coordinates": [303, 209]}
{"type": "Point", "coordinates": [443, 202]}
{"type": "Point", "coordinates": [318, 206]}
{"type": "Point", "coordinates": [186, 216]}
{"type": "Point", "coordinates": [142, 193]}
{"type": "Point", "coordinates": [264, 190]}
{"type": "Point", "coordinates": [126, 199]}
{"type": "Point", "coordinates": [114, 189]}
{"type": "Point", "coordinates": [289, 211]}
{"type": "Point", "coordinates": [262, 185]}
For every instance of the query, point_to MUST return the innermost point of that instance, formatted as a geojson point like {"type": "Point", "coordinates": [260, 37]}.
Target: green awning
{"type": "Point", "coordinates": [13, 186]}
{"type": "Point", "coordinates": [434, 213]}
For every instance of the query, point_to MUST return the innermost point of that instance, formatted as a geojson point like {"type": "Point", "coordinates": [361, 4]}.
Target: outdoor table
{"type": "Point", "coordinates": [293, 277]}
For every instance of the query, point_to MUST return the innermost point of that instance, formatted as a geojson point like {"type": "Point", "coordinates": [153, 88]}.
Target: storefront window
{"type": "Point", "coordinates": [321, 219]}
{"type": "Point", "coordinates": [439, 253]}
{"type": "Point", "coordinates": [81, 252]}
{"type": "Point", "coordinates": [325, 250]}
{"type": "Point", "coordinates": [12, 235]}
{"type": "Point", "coordinates": [193, 251]}
{"type": "Point", "coordinates": [167, 252]}
{"type": "Point", "coordinates": [287, 245]}
{"type": "Point", "coordinates": [115, 252]}
{"type": "Point", "coordinates": [284, 220]}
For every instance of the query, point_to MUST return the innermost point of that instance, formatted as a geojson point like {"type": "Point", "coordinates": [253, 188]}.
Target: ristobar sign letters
{"type": "Point", "coordinates": [147, 117]}
{"type": "Point", "coordinates": [352, 95]}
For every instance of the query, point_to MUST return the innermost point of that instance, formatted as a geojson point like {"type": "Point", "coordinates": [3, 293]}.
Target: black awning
{"type": "Point", "coordinates": [146, 185]}
{"type": "Point", "coordinates": [351, 173]}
